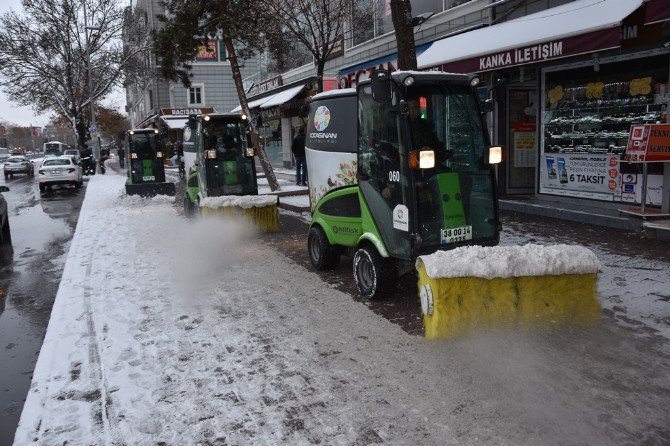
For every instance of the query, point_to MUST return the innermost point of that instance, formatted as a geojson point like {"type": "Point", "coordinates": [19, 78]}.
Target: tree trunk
{"type": "Point", "coordinates": [320, 66]}
{"type": "Point", "coordinates": [255, 139]}
{"type": "Point", "coordinates": [401, 14]}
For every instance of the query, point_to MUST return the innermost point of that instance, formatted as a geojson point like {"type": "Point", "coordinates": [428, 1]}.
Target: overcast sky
{"type": "Point", "coordinates": [25, 116]}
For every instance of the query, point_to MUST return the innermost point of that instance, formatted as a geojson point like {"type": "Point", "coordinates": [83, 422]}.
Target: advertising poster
{"type": "Point", "coordinates": [585, 175]}
{"type": "Point", "coordinates": [524, 149]}
{"type": "Point", "coordinates": [631, 189]}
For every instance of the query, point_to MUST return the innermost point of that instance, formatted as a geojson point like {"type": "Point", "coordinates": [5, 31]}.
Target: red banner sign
{"type": "Point", "coordinates": [648, 143]}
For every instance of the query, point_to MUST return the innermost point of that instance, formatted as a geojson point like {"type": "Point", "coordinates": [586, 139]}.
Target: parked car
{"type": "Point", "coordinates": [4, 153]}
{"type": "Point", "coordinates": [57, 170]}
{"type": "Point", "coordinates": [18, 165]}
{"type": "Point", "coordinates": [73, 153]}
{"type": "Point", "coordinates": [5, 235]}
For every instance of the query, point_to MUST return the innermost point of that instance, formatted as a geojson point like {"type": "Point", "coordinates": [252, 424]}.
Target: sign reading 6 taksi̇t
{"type": "Point", "coordinates": [648, 143]}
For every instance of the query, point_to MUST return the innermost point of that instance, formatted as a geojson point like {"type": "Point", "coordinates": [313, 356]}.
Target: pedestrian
{"type": "Point", "coordinates": [121, 152]}
{"type": "Point", "coordinates": [298, 149]}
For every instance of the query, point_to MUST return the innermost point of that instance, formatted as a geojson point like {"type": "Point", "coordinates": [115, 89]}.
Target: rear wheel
{"type": "Point", "coordinates": [373, 274]}
{"type": "Point", "coordinates": [322, 254]}
{"type": "Point", "coordinates": [42, 187]}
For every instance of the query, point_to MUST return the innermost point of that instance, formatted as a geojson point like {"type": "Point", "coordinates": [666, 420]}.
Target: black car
{"type": "Point", "coordinates": [5, 236]}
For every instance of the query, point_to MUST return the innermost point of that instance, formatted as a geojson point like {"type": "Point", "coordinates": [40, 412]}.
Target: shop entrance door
{"type": "Point", "coordinates": [522, 106]}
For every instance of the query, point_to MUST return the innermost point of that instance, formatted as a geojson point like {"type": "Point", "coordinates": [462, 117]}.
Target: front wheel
{"type": "Point", "coordinates": [373, 274]}
{"type": "Point", "coordinates": [322, 254]}
{"type": "Point", "coordinates": [189, 207]}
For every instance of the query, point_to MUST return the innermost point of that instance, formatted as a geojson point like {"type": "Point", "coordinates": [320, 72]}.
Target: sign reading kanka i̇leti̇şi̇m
{"type": "Point", "coordinates": [648, 143]}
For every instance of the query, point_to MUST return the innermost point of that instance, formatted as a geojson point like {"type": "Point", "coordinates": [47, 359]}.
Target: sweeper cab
{"type": "Point", "coordinates": [222, 176]}
{"type": "Point", "coordinates": [401, 168]}
{"type": "Point", "coordinates": [416, 177]}
{"type": "Point", "coordinates": [146, 173]}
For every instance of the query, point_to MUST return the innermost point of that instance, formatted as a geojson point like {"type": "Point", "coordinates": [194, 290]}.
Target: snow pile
{"type": "Point", "coordinates": [244, 202]}
{"type": "Point", "coordinates": [489, 262]}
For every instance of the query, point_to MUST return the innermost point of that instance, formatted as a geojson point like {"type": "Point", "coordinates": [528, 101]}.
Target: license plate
{"type": "Point", "coordinates": [57, 171]}
{"type": "Point", "coordinates": [148, 178]}
{"type": "Point", "coordinates": [453, 235]}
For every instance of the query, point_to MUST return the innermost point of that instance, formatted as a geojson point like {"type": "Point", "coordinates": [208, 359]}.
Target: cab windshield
{"type": "Point", "coordinates": [455, 200]}
{"type": "Point", "coordinates": [144, 144]}
{"type": "Point", "coordinates": [228, 169]}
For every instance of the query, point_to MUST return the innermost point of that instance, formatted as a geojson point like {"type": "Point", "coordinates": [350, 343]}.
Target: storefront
{"type": "Point", "coordinates": [278, 107]}
{"type": "Point", "coordinates": [576, 78]}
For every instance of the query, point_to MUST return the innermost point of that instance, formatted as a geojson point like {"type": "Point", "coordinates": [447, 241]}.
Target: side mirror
{"type": "Point", "coordinates": [4, 189]}
{"type": "Point", "coordinates": [192, 121]}
{"type": "Point", "coordinates": [381, 85]}
{"type": "Point", "coordinates": [488, 106]}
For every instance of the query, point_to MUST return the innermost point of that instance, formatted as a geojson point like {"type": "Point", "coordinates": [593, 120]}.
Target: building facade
{"type": "Point", "coordinates": [163, 104]}
{"type": "Point", "coordinates": [571, 76]}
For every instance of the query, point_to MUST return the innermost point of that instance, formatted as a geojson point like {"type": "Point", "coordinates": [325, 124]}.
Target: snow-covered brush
{"type": "Point", "coordinates": [261, 210]}
{"type": "Point", "coordinates": [507, 286]}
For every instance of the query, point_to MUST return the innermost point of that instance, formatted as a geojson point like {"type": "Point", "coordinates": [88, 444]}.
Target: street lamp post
{"type": "Point", "coordinates": [90, 84]}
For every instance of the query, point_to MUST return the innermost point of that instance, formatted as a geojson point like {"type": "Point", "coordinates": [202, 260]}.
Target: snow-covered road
{"type": "Point", "coordinates": [177, 332]}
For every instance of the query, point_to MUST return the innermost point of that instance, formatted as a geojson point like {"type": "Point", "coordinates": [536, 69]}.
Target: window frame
{"type": "Point", "coordinates": [194, 86]}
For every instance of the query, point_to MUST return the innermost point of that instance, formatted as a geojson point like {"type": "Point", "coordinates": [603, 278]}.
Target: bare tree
{"type": "Point", "coordinates": [317, 24]}
{"type": "Point", "coordinates": [189, 23]}
{"type": "Point", "coordinates": [45, 54]}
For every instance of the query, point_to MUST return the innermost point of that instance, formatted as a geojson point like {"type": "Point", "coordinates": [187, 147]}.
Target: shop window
{"type": "Point", "coordinates": [586, 117]}
{"type": "Point", "coordinates": [196, 95]}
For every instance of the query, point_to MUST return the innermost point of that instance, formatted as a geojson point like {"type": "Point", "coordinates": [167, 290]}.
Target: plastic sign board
{"type": "Point", "coordinates": [648, 143]}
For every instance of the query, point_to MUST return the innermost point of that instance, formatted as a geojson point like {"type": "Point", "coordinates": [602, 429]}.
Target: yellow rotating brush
{"type": "Point", "coordinates": [479, 287]}
{"type": "Point", "coordinates": [261, 210]}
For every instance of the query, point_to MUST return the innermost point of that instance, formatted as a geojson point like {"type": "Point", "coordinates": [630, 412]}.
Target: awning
{"type": "Point", "coordinates": [174, 123]}
{"type": "Point", "coordinates": [578, 27]}
{"type": "Point", "coordinates": [145, 121]}
{"type": "Point", "coordinates": [657, 11]}
{"type": "Point", "coordinates": [283, 96]}
{"type": "Point", "coordinates": [253, 104]}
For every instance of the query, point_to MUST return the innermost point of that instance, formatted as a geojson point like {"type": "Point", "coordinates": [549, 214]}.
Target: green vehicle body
{"type": "Point", "coordinates": [146, 169]}
{"type": "Point", "coordinates": [223, 162]}
{"type": "Point", "coordinates": [371, 202]}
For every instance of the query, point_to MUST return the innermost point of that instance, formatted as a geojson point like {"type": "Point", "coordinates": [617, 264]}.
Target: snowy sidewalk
{"type": "Point", "coordinates": [177, 332]}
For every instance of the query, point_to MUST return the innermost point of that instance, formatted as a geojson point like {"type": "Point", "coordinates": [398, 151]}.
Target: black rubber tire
{"type": "Point", "coordinates": [189, 207]}
{"type": "Point", "coordinates": [322, 255]}
{"type": "Point", "coordinates": [77, 185]}
{"type": "Point", "coordinates": [6, 234]}
{"type": "Point", "coordinates": [373, 274]}
{"type": "Point", "coordinates": [42, 187]}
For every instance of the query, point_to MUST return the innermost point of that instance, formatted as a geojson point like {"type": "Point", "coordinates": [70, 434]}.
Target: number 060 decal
{"type": "Point", "coordinates": [394, 176]}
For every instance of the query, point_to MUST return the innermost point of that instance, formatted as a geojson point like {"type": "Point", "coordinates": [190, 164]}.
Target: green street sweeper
{"type": "Point", "coordinates": [146, 169]}
{"type": "Point", "coordinates": [222, 175]}
{"type": "Point", "coordinates": [401, 169]}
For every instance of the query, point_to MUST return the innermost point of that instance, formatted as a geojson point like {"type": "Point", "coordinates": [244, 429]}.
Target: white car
{"type": "Point", "coordinates": [74, 153]}
{"type": "Point", "coordinates": [59, 170]}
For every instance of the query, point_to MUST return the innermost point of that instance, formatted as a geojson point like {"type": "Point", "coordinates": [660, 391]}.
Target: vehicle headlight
{"type": "Point", "coordinates": [426, 159]}
{"type": "Point", "coordinates": [210, 154]}
{"type": "Point", "coordinates": [249, 151]}
{"type": "Point", "coordinates": [409, 81]}
{"type": "Point", "coordinates": [207, 118]}
{"type": "Point", "coordinates": [495, 155]}
{"type": "Point", "coordinates": [159, 154]}
{"type": "Point", "coordinates": [133, 155]}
